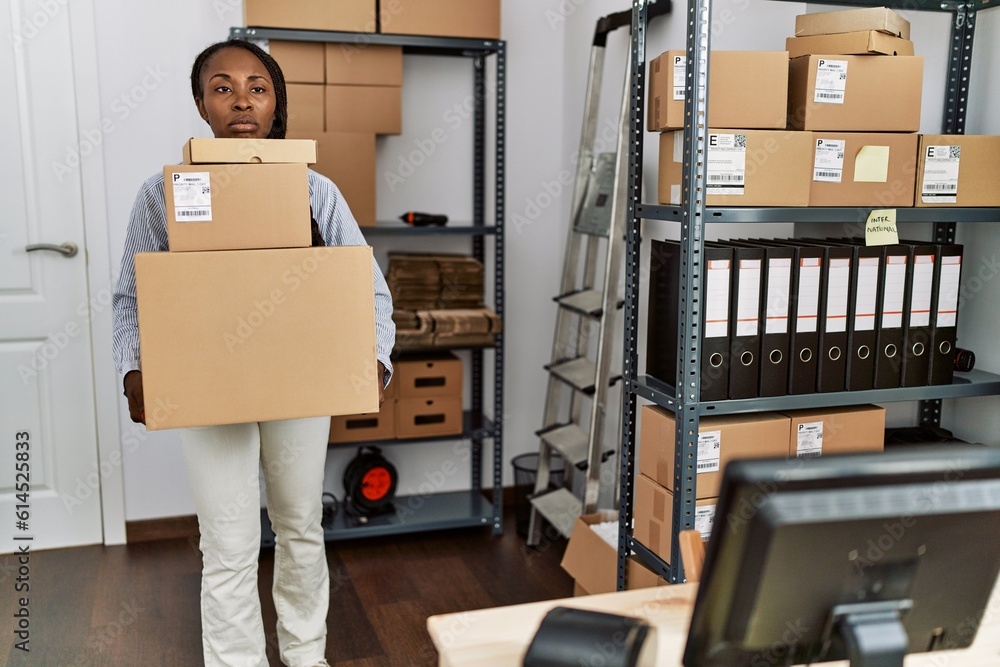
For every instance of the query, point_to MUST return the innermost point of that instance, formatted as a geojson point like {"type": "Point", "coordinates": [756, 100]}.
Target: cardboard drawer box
{"type": "Point", "coordinates": [429, 376]}
{"type": "Point", "coordinates": [721, 439]}
{"type": "Point", "coordinates": [346, 15]}
{"type": "Point", "coordinates": [256, 335]}
{"type": "Point", "coordinates": [654, 516]}
{"type": "Point", "coordinates": [367, 109]}
{"type": "Point", "coordinates": [747, 89]}
{"type": "Point", "coordinates": [855, 93]}
{"type": "Point", "coordinates": [863, 169]}
{"type": "Point", "coordinates": [881, 19]}
{"type": "Point", "coordinates": [478, 19]}
{"type": "Point", "coordinates": [363, 64]}
{"type": "Point", "coordinates": [348, 159]}
{"type": "Point", "coordinates": [249, 151]}
{"type": "Point", "coordinates": [237, 206]}
{"type": "Point", "coordinates": [428, 417]}
{"type": "Point", "coordinates": [593, 562]}
{"type": "Point", "coordinates": [300, 62]}
{"type": "Point", "coordinates": [745, 168]}
{"type": "Point", "coordinates": [822, 432]}
{"type": "Point", "coordinates": [379, 425]}
{"type": "Point", "coordinates": [866, 42]}
{"type": "Point", "coordinates": [958, 170]}
{"type": "Point", "coordinates": [306, 107]}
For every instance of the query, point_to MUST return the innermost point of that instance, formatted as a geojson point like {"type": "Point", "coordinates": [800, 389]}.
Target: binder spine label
{"type": "Point", "coordinates": [779, 275]}
{"type": "Point", "coordinates": [748, 299]}
{"type": "Point", "coordinates": [831, 81]}
{"type": "Point", "coordinates": [809, 440]}
{"type": "Point", "coordinates": [709, 451]}
{"type": "Point", "coordinates": [808, 297]}
{"type": "Point", "coordinates": [828, 165]}
{"type": "Point", "coordinates": [704, 519]}
{"type": "Point", "coordinates": [864, 307]}
{"type": "Point", "coordinates": [717, 301]}
{"type": "Point", "coordinates": [725, 173]}
{"type": "Point", "coordinates": [947, 313]}
{"type": "Point", "coordinates": [680, 76]}
{"type": "Point", "coordinates": [920, 293]}
{"type": "Point", "coordinates": [895, 285]}
{"type": "Point", "coordinates": [940, 184]}
{"type": "Point", "coordinates": [838, 282]}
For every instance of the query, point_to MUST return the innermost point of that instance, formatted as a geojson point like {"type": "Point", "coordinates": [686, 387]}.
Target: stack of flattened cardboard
{"type": "Point", "coordinates": [438, 301]}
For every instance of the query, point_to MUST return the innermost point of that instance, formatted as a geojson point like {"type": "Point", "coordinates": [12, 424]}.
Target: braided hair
{"type": "Point", "coordinates": [280, 125]}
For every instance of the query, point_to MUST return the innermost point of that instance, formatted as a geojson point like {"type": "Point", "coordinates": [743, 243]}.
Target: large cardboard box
{"type": "Point", "coordinates": [379, 425]}
{"type": "Point", "coordinates": [826, 431]}
{"type": "Point", "coordinates": [882, 19]}
{"type": "Point", "coordinates": [364, 64]}
{"type": "Point", "coordinates": [428, 417]}
{"type": "Point", "coordinates": [348, 159]}
{"type": "Point", "coordinates": [593, 562]}
{"type": "Point", "coordinates": [256, 335]}
{"type": "Point", "coordinates": [746, 89]}
{"type": "Point", "coordinates": [855, 93]}
{"type": "Point", "coordinates": [347, 15]}
{"type": "Point", "coordinates": [306, 107]}
{"type": "Point", "coordinates": [745, 168]}
{"type": "Point", "coordinates": [721, 439]}
{"type": "Point", "coordinates": [249, 151]}
{"type": "Point", "coordinates": [865, 42]}
{"type": "Point", "coordinates": [653, 510]}
{"type": "Point", "coordinates": [958, 170]}
{"type": "Point", "coordinates": [428, 376]}
{"type": "Point", "coordinates": [368, 109]}
{"type": "Point", "coordinates": [237, 206]}
{"type": "Point", "coordinates": [479, 19]}
{"type": "Point", "coordinates": [863, 169]}
{"type": "Point", "coordinates": [300, 62]}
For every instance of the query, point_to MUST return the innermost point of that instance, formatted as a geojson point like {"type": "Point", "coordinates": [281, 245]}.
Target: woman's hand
{"type": "Point", "coordinates": [133, 392]}
{"type": "Point", "coordinates": [381, 384]}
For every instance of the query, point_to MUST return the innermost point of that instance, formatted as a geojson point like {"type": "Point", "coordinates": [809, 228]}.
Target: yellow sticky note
{"type": "Point", "coordinates": [872, 165]}
{"type": "Point", "coordinates": [881, 227]}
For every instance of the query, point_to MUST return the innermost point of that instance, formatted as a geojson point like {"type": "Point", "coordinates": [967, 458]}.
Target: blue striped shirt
{"type": "Point", "coordinates": [147, 232]}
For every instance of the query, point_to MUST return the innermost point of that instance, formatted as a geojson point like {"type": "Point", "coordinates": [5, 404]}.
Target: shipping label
{"type": "Point", "coordinates": [828, 165]}
{"type": "Point", "coordinates": [940, 183]}
{"type": "Point", "coordinates": [727, 159]}
{"type": "Point", "coordinates": [831, 81]}
{"type": "Point", "coordinates": [680, 76]}
{"type": "Point", "coordinates": [809, 440]}
{"type": "Point", "coordinates": [192, 196]}
{"type": "Point", "coordinates": [709, 451]}
{"type": "Point", "coordinates": [704, 519]}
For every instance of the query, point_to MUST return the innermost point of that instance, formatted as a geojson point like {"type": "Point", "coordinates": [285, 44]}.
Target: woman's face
{"type": "Point", "coordinates": [239, 98]}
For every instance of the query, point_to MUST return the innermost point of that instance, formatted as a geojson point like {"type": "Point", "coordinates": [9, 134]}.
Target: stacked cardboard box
{"type": "Point", "coordinates": [429, 394]}
{"type": "Point", "coordinates": [242, 321]}
{"type": "Point", "coordinates": [478, 19]}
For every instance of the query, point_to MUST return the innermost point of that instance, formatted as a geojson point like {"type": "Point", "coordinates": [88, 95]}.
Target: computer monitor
{"type": "Point", "coordinates": [864, 557]}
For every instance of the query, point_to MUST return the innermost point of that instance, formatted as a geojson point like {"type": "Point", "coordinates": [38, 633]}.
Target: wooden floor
{"type": "Point", "coordinates": [137, 605]}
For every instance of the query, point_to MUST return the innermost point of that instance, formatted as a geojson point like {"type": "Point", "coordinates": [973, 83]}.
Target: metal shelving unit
{"type": "Point", "coordinates": [463, 508]}
{"type": "Point", "coordinates": [693, 215]}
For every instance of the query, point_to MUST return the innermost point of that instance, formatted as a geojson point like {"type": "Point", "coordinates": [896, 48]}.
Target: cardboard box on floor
{"type": "Point", "coordinates": [958, 170]}
{"type": "Point", "coordinates": [752, 168]}
{"type": "Point", "coordinates": [249, 151]}
{"type": "Point", "coordinates": [256, 335]}
{"type": "Point", "coordinates": [721, 439]}
{"type": "Point", "coordinates": [882, 19]}
{"type": "Point", "coordinates": [346, 15]}
{"type": "Point", "coordinates": [237, 206]}
{"type": "Point", "coordinates": [822, 432]}
{"type": "Point", "coordinates": [364, 65]}
{"type": "Point", "coordinates": [348, 159]}
{"type": "Point", "coordinates": [593, 563]}
{"type": "Point", "coordinates": [855, 93]}
{"type": "Point", "coordinates": [306, 107]}
{"type": "Point", "coordinates": [866, 42]}
{"type": "Point", "coordinates": [746, 89]}
{"type": "Point", "coordinates": [477, 19]}
{"type": "Point", "coordinates": [366, 109]}
{"type": "Point", "coordinates": [653, 510]}
{"type": "Point", "coordinates": [300, 62]}
{"type": "Point", "coordinates": [863, 169]}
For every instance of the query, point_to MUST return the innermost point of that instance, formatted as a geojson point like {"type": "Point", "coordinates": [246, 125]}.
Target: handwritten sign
{"type": "Point", "coordinates": [881, 227]}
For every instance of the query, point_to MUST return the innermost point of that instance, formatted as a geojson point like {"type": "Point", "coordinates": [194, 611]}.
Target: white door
{"type": "Point", "coordinates": [46, 377]}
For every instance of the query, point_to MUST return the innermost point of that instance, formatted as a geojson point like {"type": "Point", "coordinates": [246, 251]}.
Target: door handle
{"type": "Point", "coordinates": [68, 249]}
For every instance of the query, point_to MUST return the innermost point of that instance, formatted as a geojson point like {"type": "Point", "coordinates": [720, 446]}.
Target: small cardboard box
{"type": "Point", "coordinates": [721, 439]}
{"type": "Point", "coordinates": [855, 93]}
{"type": "Point", "coordinates": [256, 335]}
{"type": "Point", "coordinates": [745, 168]}
{"type": "Point", "coordinates": [477, 19]}
{"type": "Point", "coordinates": [249, 151]}
{"type": "Point", "coordinates": [654, 516]}
{"type": "Point", "coordinates": [379, 425]}
{"type": "Point", "coordinates": [300, 62]}
{"type": "Point", "coordinates": [593, 563]}
{"type": "Point", "coordinates": [346, 15]}
{"type": "Point", "coordinates": [429, 376]}
{"type": "Point", "coordinates": [865, 42]}
{"type": "Point", "coordinates": [364, 64]}
{"type": "Point", "coordinates": [863, 169]}
{"type": "Point", "coordinates": [348, 159]}
{"type": "Point", "coordinates": [882, 19]}
{"type": "Point", "coordinates": [367, 109]}
{"type": "Point", "coordinates": [237, 206]}
{"type": "Point", "coordinates": [306, 107]}
{"type": "Point", "coordinates": [958, 170]}
{"type": "Point", "coordinates": [428, 417]}
{"type": "Point", "coordinates": [822, 432]}
{"type": "Point", "coordinates": [746, 89]}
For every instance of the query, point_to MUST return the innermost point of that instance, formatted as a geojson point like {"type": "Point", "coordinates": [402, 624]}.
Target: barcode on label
{"type": "Point", "coordinates": [828, 174]}
{"type": "Point", "coordinates": [193, 212]}
{"type": "Point", "coordinates": [830, 96]}
{"type": "Point", "coordinates": [950, 187]}
{"type": "Point", "coordinates": [712, 465]}
{"type": "Point", "coordinates": [727, 178]}
{"type": "Point", "coordinates": [810, 454]}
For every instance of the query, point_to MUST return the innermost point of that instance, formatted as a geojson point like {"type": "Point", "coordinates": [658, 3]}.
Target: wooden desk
{"type": "Point", "coordinates": [499, 637]}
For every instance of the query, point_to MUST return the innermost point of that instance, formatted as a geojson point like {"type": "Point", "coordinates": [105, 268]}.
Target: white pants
{"type": "Point", "coordinates": [222, 464]}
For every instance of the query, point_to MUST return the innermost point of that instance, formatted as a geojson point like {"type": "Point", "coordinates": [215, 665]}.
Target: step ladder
{"type": "Point", "coordinates": [582, 362]}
